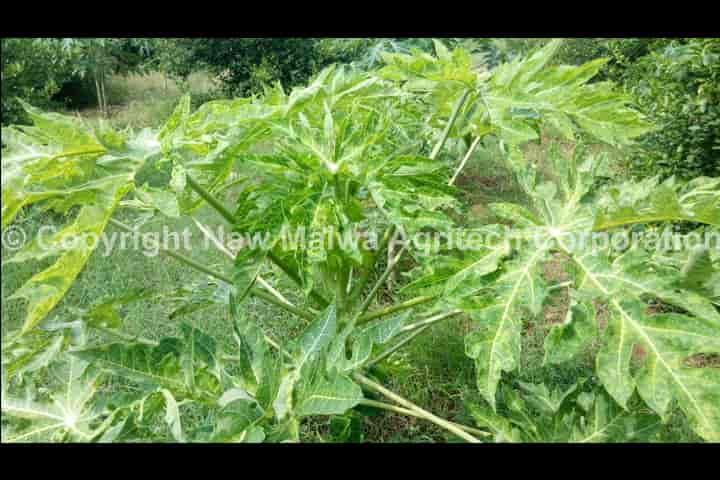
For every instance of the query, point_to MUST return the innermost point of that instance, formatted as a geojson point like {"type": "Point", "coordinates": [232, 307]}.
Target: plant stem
{"type": "Point", "coordinates": [202, 268]}
{"type": "Point", "coordinates": [230, 185]}
{"type": "Point", "coordinates": [290, 272]}
{"type": "Point", "coordinates": [362, 280]}
{"type": "Point", "coordinates": [177, 256]}
{"type": "Point", "coordinates": [559, 286]}
{"type": "Point", "coordinates": [411, 406]}
{"type": "Point", "coordinates": [396, 308]}
{"type": "Point", "coordinates": [404, 411]}
{"type": "Point", "coordinates": [430, 320]}
{"type": "Point", "coordinates": [80, 152]}
{"type": "Point", "coordinates": [341, 280]}
{"type": "Point", "coordinates": [227, 215]}
{"type": "Point", "coordinates": [380, 282]}
{"type": "Point", "coordinates": [124, 336]}
{"type": "Point", "coordinates": [211, 199]}
{"type": "Point", "coordinates": [218, 244]}
{"type": "Point", "coordinates": [395, 347]}
{"type": "Point", "coordinates": [275, 301]}
{"type": "Point", "coordinates": [467, 156]}
{"type": "Point", "coordinates": [417, 329]}
{"type": "Point", "coordinates": [98, 92]}
{"type": "Point", "coordinates": [106, 111]}
{"type": "Point", "coordinates": [451, 121]}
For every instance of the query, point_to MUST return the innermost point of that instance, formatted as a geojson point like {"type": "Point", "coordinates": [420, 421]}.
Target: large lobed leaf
{"type": "Point", "coordinates": [62, 164]}
{"type": "Point", "coordinates": [664, 373]}
{"type": "Point", "coordinates": [651, 201]}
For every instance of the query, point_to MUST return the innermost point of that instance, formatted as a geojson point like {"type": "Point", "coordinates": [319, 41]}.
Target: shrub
{"type": "Point", "coordinates": [33, 70]}
{"type": "Point", "coordinates": [678, 87]}
{"type": "Point", "coordinates": [675, 83]}
{"type": "Point", "coordinates": [246, 65]}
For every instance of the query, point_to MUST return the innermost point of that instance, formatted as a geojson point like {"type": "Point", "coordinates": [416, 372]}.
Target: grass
{"type": "Point", "coordinates": [140, 101]}
{"type": "Point", "coordinates": [486, 179]}
{"type": "Point", "coordinates": [432, 372]}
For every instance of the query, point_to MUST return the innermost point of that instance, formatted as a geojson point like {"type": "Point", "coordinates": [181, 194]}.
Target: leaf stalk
{"type": "Point", "coordinates": [422, 413]}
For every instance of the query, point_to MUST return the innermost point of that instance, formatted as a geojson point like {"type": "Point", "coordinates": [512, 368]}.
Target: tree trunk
{"type": "Point", "coordinates": [98, 91]}
{"type": "Point", "coordinates": [106, 113]}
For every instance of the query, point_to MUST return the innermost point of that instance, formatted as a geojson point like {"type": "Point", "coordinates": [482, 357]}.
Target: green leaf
{"type": "Point", "coordinates": [154, 200]}
{"type": "Point", "coordinates": [495, 342]}
{"type": "Point", "coordinates": [206, 144]}
{"type": "Point", "coordinates": [270, 382]}
{"type": "Point", "coordinates": [45, 289]}
{"type": "Point", "coordinates": [698, 270]}
{"type": "Point", "coordinates": [317, 336]}
{"type": "Point", "coordinates": [485, 417]}
{"type": "Point", "coordinates": [668, 340]}
{"type": "Point", "coordinates": [568, 339]}
{"type": "Point", "coordinates": [31, 352]}
{"type": "Point", "coordinates": [346, 429]}
{"type": "Point", "coordinates": [236, 420]}
{"type": "Point", "coordinates": [328, 396]}
{"type": "Point", "coordinates": [172, 416]}
{"type": "Point", "coordinates": [606, 422]}
{"type": "Point", "coordinates": [156, 366]}
{"type": "Point", "coordinates": [164, 366]}
{"type": "Point", "coordinates": [544, 400]}
{"type": "Point", "coordinates": [649, 201]}
{"type": "Point", "coordinates": [519, 215]}
{"type": "Point", "coordinates": [565, 416]}
{"type": "Point", "coordinates": [466, 280]}
{"type": "Point", "coordinates": [60, 162]}
{"type": "Point", "coordinates": [179, 115]}
{"type": "Point", "coordinates": [248, 265]}
{"type": "Point", "coordinates": [380, 332]}
{"type": "Point", "coordinates": [69, 413]}
{"type": "Point", "coordinates": [105, 314]}
{"type": "Point", "coordinates": [660, 345]}
{"type": "Point", "coordinates": [202, 346]}
{"type": "Point", "coordinates": [560, 95]}
{"type": "Point", "coordinates": [194, 297]}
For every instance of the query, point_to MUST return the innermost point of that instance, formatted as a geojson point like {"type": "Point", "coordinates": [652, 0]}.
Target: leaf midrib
{"type": "Point", "coordinates": [639, 330]}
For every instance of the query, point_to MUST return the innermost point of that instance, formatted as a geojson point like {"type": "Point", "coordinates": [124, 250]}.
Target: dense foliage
{"type": "Point", "coordinates": [51, 71]}
{"type": "Point", "coordinates": [675, 83]}
{"type": "Point", "coordinates": [366, 152]}
{"type": "Point", "coordinates": [678, 86]}
{"type": "Point", "coordinates": [246, 65]}
{"type": "Point", "coordinates": [33, 70]}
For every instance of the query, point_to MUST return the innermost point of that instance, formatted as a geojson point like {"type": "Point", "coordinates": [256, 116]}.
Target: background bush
{"type": "Point", "coordinates": [53, 73]}
{"type": "Point", "coordinates": [678, 87]}
{"type": "Point", "coordinates": [33, 69]}
{"type": "Point", "coordinates": [675, 82]}
{"type": "Point", "coordinates": [244, 65]}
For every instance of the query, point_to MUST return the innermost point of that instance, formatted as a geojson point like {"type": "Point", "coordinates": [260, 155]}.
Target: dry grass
{"type": "Point", "coordinates": [703, 360]}
{"type": "Point", "coordinates": [556, 310]}
{"type": "Point", "coordinates": [140, 101]}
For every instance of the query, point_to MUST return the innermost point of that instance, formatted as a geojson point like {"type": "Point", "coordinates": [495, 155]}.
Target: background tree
{"type": "Point", "coordinates": [678, 86]}
{"type": "Point", "coordinates": [33, 69]}
{"type": "Point", "coordinates": [100, 57]}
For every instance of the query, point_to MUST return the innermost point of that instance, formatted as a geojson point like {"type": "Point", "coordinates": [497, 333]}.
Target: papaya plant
{"type": "Point", "coordinates": [534, 413]}
{"type": "Point", "coordinates": [561, 221]}
{"type": "Point", "coordinates": [358, 155]}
